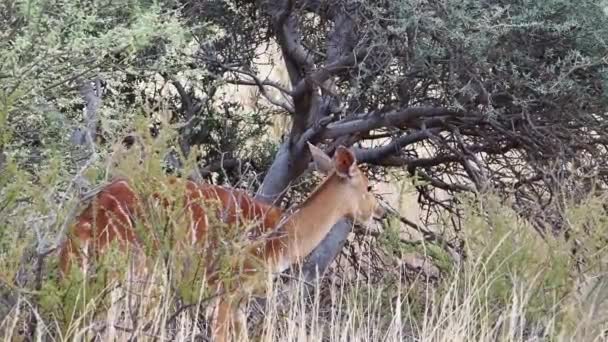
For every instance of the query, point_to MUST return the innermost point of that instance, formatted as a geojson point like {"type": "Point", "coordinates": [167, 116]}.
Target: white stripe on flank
{"type": "Point", "coordinates": [122, 210]}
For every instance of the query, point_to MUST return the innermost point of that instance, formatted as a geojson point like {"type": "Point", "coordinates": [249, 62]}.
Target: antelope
{"type": "Point", "coordinates": [344, 193]}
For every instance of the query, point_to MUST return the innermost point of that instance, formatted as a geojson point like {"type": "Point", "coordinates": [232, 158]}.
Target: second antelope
{"type": "Point", "coordinates": [344, 193]}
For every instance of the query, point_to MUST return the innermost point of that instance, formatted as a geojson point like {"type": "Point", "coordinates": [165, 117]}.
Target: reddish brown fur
{"type": "Point", "coordinates": [106, 218]}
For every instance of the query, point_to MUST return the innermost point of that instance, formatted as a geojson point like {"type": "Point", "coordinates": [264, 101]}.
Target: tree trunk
{"type": "Point", "coordinates": [321, 257]}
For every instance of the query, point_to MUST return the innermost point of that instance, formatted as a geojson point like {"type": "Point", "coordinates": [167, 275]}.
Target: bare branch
{"type": "Point", "coordinates": [443, 185]}
{"type": "Point", "coordinates": [261, 86]}
{"type": "Point", "coordinates": [394, 147]}
{"type": "Point", "coordinates": [258, 82]}
{"type": "Point", "coordinates": [323, 74]}
{"type": "Point", "coordinates": [398, 119]}
{"type": "Point", "coordinates": [413, 163]}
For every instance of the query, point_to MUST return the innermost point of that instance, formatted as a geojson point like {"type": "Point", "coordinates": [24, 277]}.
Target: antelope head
{"type": "Point", "coordinates": [361, 205]}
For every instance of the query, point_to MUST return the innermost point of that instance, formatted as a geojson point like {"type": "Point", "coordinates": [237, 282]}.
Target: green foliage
{"type": "Point", "coordinates": [390, 239]}
{"type": "Point", "coordinates": [544, 45]}
{"type": "Point", "coordinates": [507, 259]}
{"type": "Point", "coordinates": [139, 50]}
{"type": "Point", "coordinates": [47, 48]}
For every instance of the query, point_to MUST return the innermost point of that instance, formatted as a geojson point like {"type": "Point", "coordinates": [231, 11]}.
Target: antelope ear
{"type": "Point", "coordinates": [322, 161]}
{"type": "Point", "coordinates": [345, 162]}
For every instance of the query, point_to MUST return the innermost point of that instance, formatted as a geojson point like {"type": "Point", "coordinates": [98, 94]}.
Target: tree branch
{"type": "Point", "coordinates": [370, 155]}
{"type": "Point", "coordinates": [220, 165]}
{"type": "Point", "coordinates": [323, 74]}
{"type": "Point", "coordinates": [187, 105]}
{"type": "Point", "coordinates": [261, 86]}
{"type": "Point", "coordinates": [443, 185]}
{"type": "Point", "coordinates": [256, 81]}
{"type": "Point", "coordinates": [298, 59]}
{"type": "Point", "coordinates": [398, 119]}
{"type": "Point", "coordinates": [92, 98]}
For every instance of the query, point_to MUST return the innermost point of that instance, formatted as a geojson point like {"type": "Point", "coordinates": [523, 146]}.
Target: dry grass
{"type": "Point", "coordinates": [492, 296]}
{"type": "Point", "coordinates": [512, 286]}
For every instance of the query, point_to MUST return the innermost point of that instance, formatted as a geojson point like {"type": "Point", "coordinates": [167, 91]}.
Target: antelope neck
{"type": "Point", "coordinates": [315, 217]}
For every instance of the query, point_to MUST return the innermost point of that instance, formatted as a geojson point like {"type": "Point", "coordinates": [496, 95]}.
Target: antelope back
{"type": "Point", "coordinates": [233, 207]}
{"type": "Point", "coordinates": [108, 218]}
{"type": "Point", "coordinates": [117, 208]}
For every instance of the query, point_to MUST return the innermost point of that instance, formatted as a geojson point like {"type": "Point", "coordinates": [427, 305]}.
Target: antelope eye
{"type": "Point", "coordinates": [369, 188]}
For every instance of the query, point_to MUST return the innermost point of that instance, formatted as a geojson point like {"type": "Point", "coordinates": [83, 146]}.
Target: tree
{"type": "Point", "coordinates": [507, 96]}
{"type": "Point", "coordinates": [502, 95]}
{"type": "Point", "coordinates": [465, 96]}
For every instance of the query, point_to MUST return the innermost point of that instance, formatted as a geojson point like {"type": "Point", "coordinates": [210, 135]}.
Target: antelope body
{"type": "Point", "coordinates": [344, 193]}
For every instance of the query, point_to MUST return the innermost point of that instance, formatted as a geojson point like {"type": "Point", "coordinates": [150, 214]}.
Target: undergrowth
{"type": "Point", "coordinates": [511, 285]}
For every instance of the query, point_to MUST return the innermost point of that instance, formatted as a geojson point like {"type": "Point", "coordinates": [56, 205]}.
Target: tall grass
{"type": "Point", "coordinates": [512, 285]}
